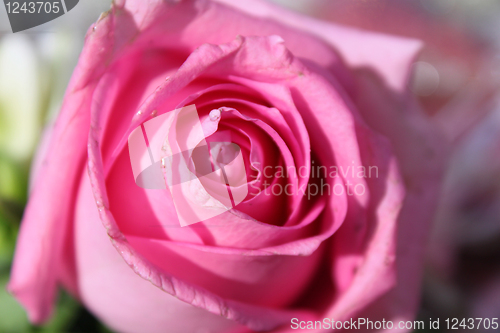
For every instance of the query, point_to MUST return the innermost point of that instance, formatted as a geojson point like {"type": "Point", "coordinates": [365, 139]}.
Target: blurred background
{"type": "Point", "coordinates": [456, 80]}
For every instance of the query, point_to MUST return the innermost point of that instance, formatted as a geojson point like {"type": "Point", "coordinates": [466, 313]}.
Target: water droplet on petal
{"type": "Point", "coordinates": [154, 113]}
{"type": "Point", "coordinates": [214, 115]}
{"type": "Point", "coordinates": [140, 112]}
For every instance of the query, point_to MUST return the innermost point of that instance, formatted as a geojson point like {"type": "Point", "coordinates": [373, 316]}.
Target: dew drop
{"type": "Point", "coordinates": [214, 114]}
{"type": "Point", "coordinates": [140, 112]}
{"type": "Point", "coordinates": [154, 113]}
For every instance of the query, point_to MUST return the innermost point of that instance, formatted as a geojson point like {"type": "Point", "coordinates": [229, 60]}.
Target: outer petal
{"type": "Point", "coordinates": [37, 261]}
{"type": "Point", "coordinates": [125, 301]}
{"type": "Point", "coordinates": [38, 251]}
{"type": "Point", "coordinates": [422, 155]}
{"type": "Point", "coordinates": [388, 56]}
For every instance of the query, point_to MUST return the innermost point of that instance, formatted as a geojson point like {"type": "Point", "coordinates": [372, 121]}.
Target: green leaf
{"type": "Point", "coordinates": [13, 318]}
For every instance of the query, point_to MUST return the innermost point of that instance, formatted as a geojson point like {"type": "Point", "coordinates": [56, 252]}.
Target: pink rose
{"type": "Point", "coordinates": [292, 92]}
